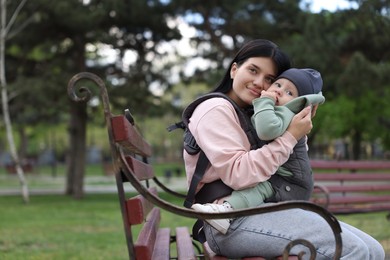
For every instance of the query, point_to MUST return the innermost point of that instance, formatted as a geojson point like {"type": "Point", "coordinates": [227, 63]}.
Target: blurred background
{"type": "Point", "coordinates": [155, 56]}
{"type": "Point", "coordinates": [158, 55]}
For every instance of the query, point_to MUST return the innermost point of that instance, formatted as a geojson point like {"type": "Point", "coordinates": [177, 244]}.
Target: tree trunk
{"type": "Point", "coordinates": [22, 151]}
{"type": "Point", "coordinates": [77, 150]}
{"type": "Point", "coordinates": [77, 133]}
{"type": "Point", "coordinates": [4, 99]}
{"type": "Point", "coordinates": [356, 141]}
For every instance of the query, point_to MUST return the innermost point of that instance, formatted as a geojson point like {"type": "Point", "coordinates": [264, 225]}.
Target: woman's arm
{"type": "Point", "coordinates": [215, 126]}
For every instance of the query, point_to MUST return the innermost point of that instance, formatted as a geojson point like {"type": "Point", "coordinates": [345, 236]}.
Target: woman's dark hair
{"type": "Point", "coordinates": [255, 48]}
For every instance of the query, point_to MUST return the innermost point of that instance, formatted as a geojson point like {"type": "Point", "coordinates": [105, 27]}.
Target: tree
{"type": "Point", "coordinates": [66, 39]}
{"type": "Point", "coordinates": [349, 48]}
{"type": "Point", "coordinates": [329, 42]}
{"type": "Point", "coordinates": [5, 32]}
{"type": "Point", "coordinates": [364, 86]}
{"type": "Point", "coordinates": [223, 27]}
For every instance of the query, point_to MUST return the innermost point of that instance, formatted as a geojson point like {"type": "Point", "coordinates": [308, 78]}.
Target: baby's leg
{"type": "Point", "coordinates": [250, 197]}
{"type": "Point", "coordinates": [222, 225]}
{"type": "Point", "coordinates": [240, 199]}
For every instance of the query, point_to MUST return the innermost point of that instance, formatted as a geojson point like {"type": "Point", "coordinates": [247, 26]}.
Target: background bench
{"type": "Point", "coordinates": [130, 154]}
{"type": "Point", "coordinates": [346, 187]}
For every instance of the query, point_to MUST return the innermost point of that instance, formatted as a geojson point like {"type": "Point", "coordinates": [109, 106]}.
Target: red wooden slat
{"type": "Point", "coordinates": [147, 237]}
{"type": "Point", "coordinates": [161, 248]}
{"type": "Point", "coordinates": [185, 249]}
{"type": "Point", "coordinates": [355, 188]}
{"type": "Point", "coordinates": [141, 170]}
{"type": "Point", "coordinates": [354, 199]}
{"type": "Point", "coordinates": [348, 209]}
{"type": "Point", "coordinates": [126, 134]}
{"type": "Point", "coordinates": [364, 199]}
{"type": "Point", "coordinates": [138, 208]}
{"type": "Point", "coordinates": [351, 177]}
{"type": "Point", "coordinates": [360, 165]}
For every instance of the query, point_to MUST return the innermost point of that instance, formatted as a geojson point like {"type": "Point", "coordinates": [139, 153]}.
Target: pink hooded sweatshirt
{"type": "Point", "coordinates": [216, 128]}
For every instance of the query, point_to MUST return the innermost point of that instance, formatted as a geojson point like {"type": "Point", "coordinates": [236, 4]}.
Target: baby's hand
{"type": "Point", "coordinates": [269, 94]}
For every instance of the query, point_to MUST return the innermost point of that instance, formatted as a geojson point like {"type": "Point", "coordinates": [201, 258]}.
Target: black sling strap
{"type": "Point", "coordinates": [200, 169]}
{"type": "Point", "coordinates": [203, 161]}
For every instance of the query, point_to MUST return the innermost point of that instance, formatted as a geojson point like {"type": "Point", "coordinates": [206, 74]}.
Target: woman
{"type": "Point", "coordinates": [216, 129]}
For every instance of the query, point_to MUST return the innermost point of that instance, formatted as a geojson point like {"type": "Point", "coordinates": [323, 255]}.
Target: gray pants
{"type": "Point", "coordinates": [268, 234]}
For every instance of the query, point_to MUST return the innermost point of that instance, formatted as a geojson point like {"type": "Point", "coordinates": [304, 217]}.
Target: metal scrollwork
{"type": "Point", "coordinates": [83, 94]}
{"type": "Point", "coordinates": [313, 252]}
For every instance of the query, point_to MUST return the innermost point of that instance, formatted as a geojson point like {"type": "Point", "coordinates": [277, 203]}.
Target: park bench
{"type": "Point", "coordinates": [27, 166]}
{"type": "Point", "coordinates": [346, 187]}
{"type": "Point", "coordinates": [130, 155]}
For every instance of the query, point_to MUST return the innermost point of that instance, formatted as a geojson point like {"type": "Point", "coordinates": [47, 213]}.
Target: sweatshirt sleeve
{"type": "Point", "coordinates": [270, 121]}
{"type": "Point", "coordinates": [216, 128]}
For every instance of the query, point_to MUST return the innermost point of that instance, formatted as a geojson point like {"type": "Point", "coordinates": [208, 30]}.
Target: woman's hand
{"type": "Point", "coordinates": [314, 110]}
{"type": "Point", "coordinates": [301, 124]}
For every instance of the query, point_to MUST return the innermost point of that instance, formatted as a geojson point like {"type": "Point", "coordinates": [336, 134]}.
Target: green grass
{"type": "Point", "coordinates": [58, 227]}
{"type": "Point", "coordinates": [375, 224]}
{"type": "Point", "coordinates": [90, 169]}
{"type": "Point", "coordinates": [59, 170]}
{"type": "Point", "coordinates": [44, 177]}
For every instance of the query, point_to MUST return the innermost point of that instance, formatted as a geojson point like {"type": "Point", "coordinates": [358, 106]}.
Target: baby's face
{"type": "Point", "coordinates": [285, 91]}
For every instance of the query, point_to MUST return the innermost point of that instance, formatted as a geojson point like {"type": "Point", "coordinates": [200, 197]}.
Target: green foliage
{"type": "Point", "coordinates": [332, 117]}
{"type": "Point", "coordinates": [349, 47]}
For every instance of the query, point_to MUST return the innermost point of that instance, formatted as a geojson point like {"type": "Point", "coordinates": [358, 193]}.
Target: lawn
{"type": "Point", "coordinates": [47, 178]}
{"type": "Point", "coordinates": [58, 227]}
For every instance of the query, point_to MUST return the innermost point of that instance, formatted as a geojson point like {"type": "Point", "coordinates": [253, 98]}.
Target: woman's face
{"type": "Point", "coordinates": [250, 78]}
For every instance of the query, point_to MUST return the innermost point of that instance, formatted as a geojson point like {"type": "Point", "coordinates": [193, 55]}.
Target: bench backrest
{"type": "Point", "coordinates": [346, 187]}
{"type": "Point", "coordinates": [350, 165]}
{"type": "Point", "coordinates": [137, 210]}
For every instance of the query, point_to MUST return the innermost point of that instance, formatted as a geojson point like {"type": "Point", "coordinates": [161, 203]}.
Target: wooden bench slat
{"type": "Point", "coordinates": [161, 249]}
{"type": "Point", "coordinates": [138, 208]}
{"type": "Point", "coordinates": [185, 249]}
{"type": "Point", "coordinates": [147, 237]}
{"type": "Point", "coordinates": [355, 188]}
{"type": "Point", "coordinates": [354, 200]}
{"type": "Point", "coordinates": [126, 134]}
{"type": "Point", "coordinates": [350, 177]}
{"type": "Point", "coordinates": [340, 209]}
{"type": "Point", "coordinates": [141, 170]}
{"type": "Point", "coordinates": [357, 165]}
{"type": "Point", "coordinates": [358, 199]}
